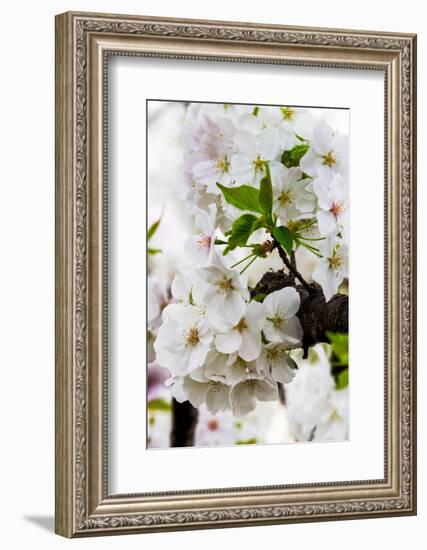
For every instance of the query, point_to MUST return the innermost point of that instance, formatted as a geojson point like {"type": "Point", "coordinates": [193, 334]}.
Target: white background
{"type": "Point", "coordinates": [27, 320]}
{"type": "Point", "coordinates": [134, 79]}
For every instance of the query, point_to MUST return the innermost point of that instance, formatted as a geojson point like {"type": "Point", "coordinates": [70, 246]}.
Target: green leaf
{"type": "Point", "coordinates": [292, 363]}
{"type": "Point", "coordinates": [284, 237]}
{"type": "Point", "coordinates": [341, 380]}
{"type": "Point", "coordinates": [293, 156]}
{"type": "Point", "coordinates": [241, 230]}
{"type": "Point", "coordinates": [339, 343]}
{"type": "Point", "coordinates": [244, 197]}
{"type": "Point", "coordinates": [153, 228]}
{"type": "Point", "coordinates": [259, 297]}
{"type": "Point", "coordinates": [152, 251]}
{"type": "Point", "coordinates": [158, 405]}
{"type": "Point", "coordinates": [266, 192]}
{"type": "Point", "coordinates": [255, 111]}
{"type": "Point", "coordinates": [250, 441]}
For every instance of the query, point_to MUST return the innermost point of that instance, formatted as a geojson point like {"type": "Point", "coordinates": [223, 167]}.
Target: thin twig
{"type": "Point", "coordinates": [291, 268]}
{"type": "Point", "coordinates": [293, 261]}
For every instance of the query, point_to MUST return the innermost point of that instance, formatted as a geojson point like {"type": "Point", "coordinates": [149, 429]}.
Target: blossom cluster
{"type": "Point", "coordinates": [224, 348]}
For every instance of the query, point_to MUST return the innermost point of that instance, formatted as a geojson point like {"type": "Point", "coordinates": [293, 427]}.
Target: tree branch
{"type": "Point", "coordinates": [184, 422]}
{"type": "Point", "coordinates": [290, 264]}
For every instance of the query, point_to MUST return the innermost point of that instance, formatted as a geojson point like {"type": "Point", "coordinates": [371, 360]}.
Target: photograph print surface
{"type": "Point", "coordinates": [247, 274]}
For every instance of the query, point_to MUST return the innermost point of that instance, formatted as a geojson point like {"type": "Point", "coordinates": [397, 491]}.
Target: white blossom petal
{"type": "Point", "coordinates": [229, 342]}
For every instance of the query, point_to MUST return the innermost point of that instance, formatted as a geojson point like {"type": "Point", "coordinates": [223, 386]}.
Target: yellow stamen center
{"type": "Point", "coordinates": [277, 320]}
{"type": "Point", "coordinates": [286, 198]}
{"type": "Point", "coordinates": [329, 159]}
{"type": "Point", "coordinates": [225, 285]}
{"type": "Point", "coordinates": [258, 163]}
{"type": "Point", "coordinates": [335, 262]}
{"type": "Point", "coordinates": [192, 337]}
{"type": "Point", "coordinates": [241, 325]}
{"type": "Point", "coordinates": [222, 164]}
{"type": "Point", "coordinates": [288, 113]}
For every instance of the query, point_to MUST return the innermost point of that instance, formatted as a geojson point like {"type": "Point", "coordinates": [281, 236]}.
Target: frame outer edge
{"type": "Point", "coordinates": [64, 276]}
{"type": "Point", "coordinates": [73, 515]}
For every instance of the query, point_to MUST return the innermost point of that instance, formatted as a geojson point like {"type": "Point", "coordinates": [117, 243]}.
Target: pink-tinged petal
{"type": "Point", "coordinates": [206, 172]}
{"type": "Point", "coordinates": [268, 143]}
{"type": "Point", "coordinates": [322, 138]}
{"type": "Point", "coordinates": [229, 342]}
{"type": "Point", "coordinates": [310, 163]}
{"type": "Point", "coordinates": [250, 348]}
{"type": "Point", "coordinates": [197, 249]}
{"type": "Point", "coordinates": [327, 223]}
{"type": "Point", "coordinates": [338, 188]}
{"type": "Point", "coordinates": [205, 220]}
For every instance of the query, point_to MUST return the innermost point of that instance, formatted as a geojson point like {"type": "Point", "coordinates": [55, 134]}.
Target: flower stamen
{"type": "Point", "coordinates": [329, 159]}
{"type": "Point", "coordinates": [225, 285]}
{"type": "Point", "coordinates": [258, 163]}
{"type": "Point", "coordinates": [241, 325]}
{"type": "Point", "coordinates": [192, 337]}
{"type": "Point", "coordinates": [222, 164]}
{"type": "Point", "coordinates": [286, 198]}
{"type": "Point", "coordinates": [335, 262]}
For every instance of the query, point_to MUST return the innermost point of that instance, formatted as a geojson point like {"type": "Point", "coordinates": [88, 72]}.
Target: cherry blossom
{"type": "Point", "coordinates": [245, 336]}
{"type": "Point", "coordinates": [281, 324]}
{"type": "Point", "coordinates": [199, 248]}
{"type": "Point", "coordinates": [224, 294]}
{"type": "Point", "coordinates": [276, 362]}
{"type": "Point", "coordinates": [332, 268]}
{"type": "Point", "coordinates": [254, 387]}
{"type": "Point", "coordinates": [183, 340]}
{"type": "Point", "coordinates": [293, 195]}
{"type": "Point", "coordinates": [327, 152]}
{"type": "Point", "coordinates": [331, 194]}
{"type": "Point", "coordinates": [248, 165]}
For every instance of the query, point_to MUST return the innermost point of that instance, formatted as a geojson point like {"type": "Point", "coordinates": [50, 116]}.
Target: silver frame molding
{"type": "Point", "coordinates": [83, 43]}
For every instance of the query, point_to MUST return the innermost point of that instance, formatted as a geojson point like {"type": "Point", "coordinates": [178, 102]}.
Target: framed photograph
{"type": "Point", "coordinates": [235, 274]}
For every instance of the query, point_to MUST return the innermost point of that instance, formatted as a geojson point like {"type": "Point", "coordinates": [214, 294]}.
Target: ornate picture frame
{"type": "Point", "coordinates": [83, 44]}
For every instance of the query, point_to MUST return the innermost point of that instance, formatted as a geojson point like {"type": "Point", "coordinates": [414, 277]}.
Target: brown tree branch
{"type": "Point", "coordinates": [290, 264]}
{"type": "Point", "coordinates": [184, 422]}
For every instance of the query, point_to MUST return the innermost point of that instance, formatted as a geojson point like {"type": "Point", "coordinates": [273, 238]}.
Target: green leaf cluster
{"type": "Point", "coordinates": [150, 234]}
{"type": "Point", "coordinates": [293, 156]}
{"type": "Point", "coordinates": [339, 360]}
